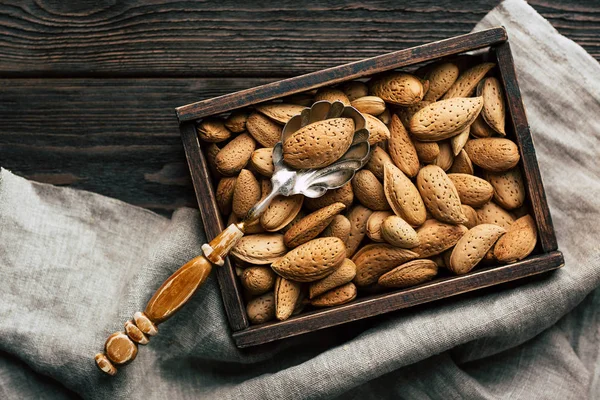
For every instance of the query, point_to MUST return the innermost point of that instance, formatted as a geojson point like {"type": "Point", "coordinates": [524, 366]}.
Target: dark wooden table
{"type": "Point", "coordinates": [89, 87]}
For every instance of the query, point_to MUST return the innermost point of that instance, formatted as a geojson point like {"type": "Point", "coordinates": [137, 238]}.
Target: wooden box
{"type": "Point", "coordinates": [545, 257]}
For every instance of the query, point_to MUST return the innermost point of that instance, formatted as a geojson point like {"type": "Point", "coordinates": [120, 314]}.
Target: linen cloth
{"type": "Point", "coordinates": [74, 266]}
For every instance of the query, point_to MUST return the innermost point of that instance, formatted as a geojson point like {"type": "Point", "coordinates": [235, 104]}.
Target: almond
{"type": "Point", "coordinates": [462, 164]}
{"type": "Point", "coordinates": [374, 225]}
{"type": "Point", "coordinates": [246, 193]}
{"type": "Point", "coordinates": [491, 213]}
{"type": "Point", "coordinates": [335, 297]}
{"type": "Point", "coordinates": [358, 217]}
{"type": "Point", "coordinates": [318, 144]}
{"type": "Point", "coordinates": [236, 121]}
{"type": "Point", "coordinates": [260, 249]}
{"type": "Point", "coordinates": [445, 159]}
{"type": "Point", "coordinates": [374, 260]}
{"type": "Point", "coordinates": [213, 130]}
{"type": "Point", "coordinates": [211, 154]}
{"type": "Point", "coordinates": [262, 161]}
{"type": "Point", "coordinates": [440, 195]}
{"type": "Point", "coordinates": [472, 190]}
{"type": "Point", "coordinates": [263, 130]}
{"type": "Point", "coordinates": [493, 154]}
{"type": "Point", "coordinates": [509, 189]}
{"type": "Point", "coordinates": [493, 111]}
{"type": "Point", "coordinates": [385, 116]}
{"type": "Point", "coordinates": [312, 260]}
{"type": "Point", "coordinates": [459, 141]}
{"type": "Point", "coordinates": [354, 90]}
{"type": "Point", "coordinates": [480, 129]}
{"type": "Point", "coordinates": [279, 112]}
{"type": "Point", "coordinates": [399, 233]}
{"type": "Point", "coordinates": [406, 113]}
{"type": "Point", "coordinates": [409, 274]}
{"type": "Point", "coordinates": [401, 148]}
{"type": "Point", "coordinates": [467, 81]}
{"type": "Point", "coordinates": [224, 195]}
{"type": "Point", "coordinates": [261, 309]}
{"type": "Point", "coordinates": [378, 132]}
{"type": "Point", "coordinates": [300, 99]}
{"type": "Point", "coordinates": [471, 215]}
{"type": "Point", "coordinates": [339, 227]}
{"type": "Point", "coordinates": [398, 88]}
{"type": "Point", "coordinates": [287, 294]}
{"type": "Point", "coordinates": [281, 212]}
{"type": "Point", "coordinates": [295, 221]}
{"type": "Point", "coordinates": [520, 212]}
{"type": "Point", "coordinates": [235, 155]}
{"type": "Point", "coordinates": [369, 191]}
{"type": "Point", "coordinates": [377, 161]}
{"type": "Point", "coordinates": [519, 241]}
{"type": "Point", "coordinates": [343, 195]}
{"type": "Point", "coordinates": [445, 118]}
{"type": "Point", "coordinates": [436, 237]}
{"type": "Point", "coordinates": [441, 78]}
{"type": "Point", "coordinates": [473, 246]}
{"type": "Point", "coordinates": [312, 225]}
{"type": "Point", "coordinates": [403, 196]}
{"type": "Point", "coordinates": [331, 95]}
{"type": "Point", "coordinates": [258, 280]}
{"type": "Point", "coordinates": [344, 274]}
{"type": "Point", "coordinates": [427, 152]}
{"type": "Point", "coordinates": [369, 105]}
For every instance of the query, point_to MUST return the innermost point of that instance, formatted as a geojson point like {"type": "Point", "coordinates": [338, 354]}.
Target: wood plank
{"type": "Point", "coordinates": [379, 304]}
{"type": "Point", "coordinates": [117, 137]}
{"type": "Point", "coordinates": [342, 73]}
{"type": "Point", "coordinates": [229, 38]}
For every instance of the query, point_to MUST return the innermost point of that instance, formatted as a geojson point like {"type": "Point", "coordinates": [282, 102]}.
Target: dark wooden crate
{"type": "Point", "coordinates": [545, 257]}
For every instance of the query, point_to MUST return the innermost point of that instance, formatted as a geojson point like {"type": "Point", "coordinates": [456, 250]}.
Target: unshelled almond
{"type": "Point", "coordinates": [355, 89]}
{"type": "Point", "coordinates": [491, 213]}
{"type": "Point", "coordinates": [385, 116]}
{"type": "Point", "coordinates": [493, 154]}
{"type": "Point", "coordinates": [403, 196]}
{"type": "Point", "coordinates": [374, 260]}
{"type": "Point", "coordinates": [339, 227]}
{"type": "Point", "coordinates": [436, 237]}
{"type": "Point", "coordinates": [213, 130]}
{"type": "Point", "coordinates": [369, 191]}
{"type": "Point", "coordinates": [279, 112]}
{"type": "Point", "coordinates": [312, 260]}
{"type": "Point", "coordinates": [374, 224]}
{"type": "Point", "coordinates": [409, 274]}
{"type": "Point", "coordinates": [509, 189]}
{"type": "Point", "coordinates": [406, 113]}
{"type": "Point", "coordinates": [378, 131]}
{"type": "Point", "coordinates": [261, 309]}
{"type": "Point", "coordinates": [312, 225]}
{"type": "Point", "coordinates": [493, 103]}
{"type": "Point", "coordinates": [471, 215]}
{"type": "Point", "coordinates": [369, 105]}
{"type": "Point", "coordinates": [472, 190]}
{"type": "Point", "coordinates": [445, 159]}
{"type": "Point", "coordinates": [440, 195]}
{"type": "Point", "coordinates": [344, 274]}
{"type": "Point", "coordinates": [236, 121]}
{"type": "Point", "coordinates": [519, 241]}
{"type": "Point", "coordinates": [343, 195]}
{"type": "Point", "coordinates": [258, 280]}
{"type": "Point", "coordinates": [458, 142]}
{"type": "Point", "coordinates": [260, 249]}
{"type": "Point", "coordinates": [245, 194]}
{"type": "Point", "coordinates": [263, 130]}
{"type": "Point", "coordinates": [377, 161]}
{"type": "Point", "coordinates": [235, 155]}
{"type": "Point", "coordinates": [224, 195]}
{"type": "Point", "coordinates": [211, 154]}
{"type": "Point", "coordinates": [441, 77]}
{"type": "Point", "coordinates": [336, 297]}
{"type": "Point", "coordinates": [467, 82]}
{"type": "Point", "coordinates": [445, 118]}
{"type": "Point", "coordinates": [480, 128]}
{"type": "Point", "coordinates": [331, 95]}
{"type": "Point", "coordinates": [262, 161]}
{"type": "Point", "coordinates": [281, 211]}
{"type": "Point", "coordinates": [358, 217]}
{"type": "Point", "coordinates": [462, 164]}
{"type": "Point", "coordinates": [287, 294]}
{"type": "Point", "coordinates": [399, 233]}
{"type": "Point", "coordinates": [301, 214]}
{"type": "Point", "coordinates": [473, 246]}
{"type": "Point", "coordinates": [318, 144]}
{"type": "Point", "coordinates": [401, 148]}
{"type": "Point", "coordinates": [426, 151]}
{"type": "Point", "coordinates": [398, 88]}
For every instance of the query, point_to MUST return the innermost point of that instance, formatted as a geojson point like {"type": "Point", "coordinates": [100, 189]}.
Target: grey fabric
{"type": "Point", "coordinates": [75, 265]}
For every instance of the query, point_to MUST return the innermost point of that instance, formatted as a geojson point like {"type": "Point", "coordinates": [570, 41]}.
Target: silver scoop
{"type": "Point", "coordinates": [315, 182]}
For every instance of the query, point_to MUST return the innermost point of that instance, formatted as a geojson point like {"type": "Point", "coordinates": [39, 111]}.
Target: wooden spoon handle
{"type": "Point", "coordinates": [121, 347]}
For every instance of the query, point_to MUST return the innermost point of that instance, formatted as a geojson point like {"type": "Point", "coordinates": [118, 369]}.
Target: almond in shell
{"type": "Point", "coordinates": [358, 217]}
{"type": "Point", "coordinates": [260, 249]}
{"type": "Point", "coordinates": [509, 189]}
{"type": "Point", "coordinates": [436, 237]}
{"type": "Point", "coordinates": [262, 161]}
{"type": "Point", "coordinates": [399, 233]}
{"type": "Point", "coordinates": [293, 223]}
{"type": "Point", "coordinates": [480, 129]}
{"type": "Point", "coordinates": [491, 213]}
{"type": "Point", "coordinates": [331, 95]}
{"type": "Point", "coordinates": [245, 194]}
{"type": "Point", "coordinates": [441, 77]}
{"type": "Point", "coordinates": [472, 190]}
{"type": "Point", "coordinates": [440, 195]}
{"type": "Point", "coordinates": [445, 118]}
{"type": "Point", "coordinates": [312, 260]}
{"type": "Point", "coordinates": [211, 154]}
{"type": "Point", "coordinates": [401, 148]}
{"type": "Point", "coordinates": [213, 130]}
{"type": "Point", "coordinates": [339, 227]}
{"type": "Point", "coordinates": [343, 195]}
{"type": "Point", "coordinates": [372, 105]}
{"type": "Point", "coordinates": [235, 155]}
{"type": "Point", "coordinates": [377, 161]}
{"type": "Point", "coordinates": [398, 88]}
{"type": "Point", "coordinates": [473, 246]}
{"type": "Point", "coordinates": [374, 224]}
{"type": "Point", "coordinates": [335, 297]}
{"type": "Point", "coordinates": [467, 82]}
{"type": "Point", "coordinates": [279, 112]}
{"type": "Point", "coordinates": [378, 131]}
{"type": "Point", "coordinates": [354, 90]}
{"type": "Point", "coordinates": [263, 130]}
{"type": "Point", "coordinates": [312, 225]}
{"type": "Point", "coordinates": [409, 274]}
{"type": "Point", "coordinates": [493, 111]}
{"type": "Point", "coordinates": [224, 195]}
{"type": "Point", "coordinates": [403, 196]}
{"type": "Point", "coordinates": [471, 215]}
{"type": "Point", "coordinates": [281, 211]}
{"type": "Point", "coordinates": [406, 113]}
{"type": "Point", "coordinates": [236, 121]}
{"type": "Point", "coordinates": [261, 309]}
{"type": "Point", "coordinates": [374, 260]}
{"type": "Point", "coordinates": [493, 154]}
{"type": "Point", "coordinates": [459, 141]}
{"type": "Point", "coordinates": [344, 274]}
{"type": "Point", "coordinates": [445, 159]}
{"type": "Point", "coordinates": [369, 191]}
{"type": "Point", "coordinates": [287, 294]}
{"type": "Point", "coordinates": [462, 164]}
{"type": "Point", "coordinates": [258, 280]}
{"type": "Point", "coordinates": [519, 241]}
{"type": "Point", "coordinates": [427, 152]}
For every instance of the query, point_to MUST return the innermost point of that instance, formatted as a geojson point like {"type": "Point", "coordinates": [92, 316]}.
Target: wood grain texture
{"type": "Point", "coordinates": [228, 38]}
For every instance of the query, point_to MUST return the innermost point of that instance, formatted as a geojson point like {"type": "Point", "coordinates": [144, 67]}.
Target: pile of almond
{"type": "Point", "coordinates": [442, 190]}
